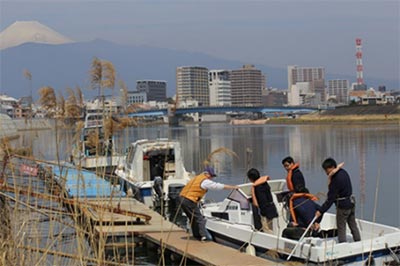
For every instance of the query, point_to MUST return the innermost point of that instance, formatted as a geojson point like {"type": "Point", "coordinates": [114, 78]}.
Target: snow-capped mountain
{"type": "Point", "coordinates": [22, 32]}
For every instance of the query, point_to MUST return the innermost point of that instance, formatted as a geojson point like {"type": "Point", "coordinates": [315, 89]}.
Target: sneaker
{"type": "Point", "coordinates": [203, 239]}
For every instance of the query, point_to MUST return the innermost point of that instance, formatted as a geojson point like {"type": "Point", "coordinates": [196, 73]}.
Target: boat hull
{"type": "Point", "coordinates": [279, 249]}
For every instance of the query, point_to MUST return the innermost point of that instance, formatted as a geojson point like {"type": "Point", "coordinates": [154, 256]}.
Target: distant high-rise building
{"type": "Point", "coordinates": [304, 74]}
{"type": "Point", "coordinates": [220, 87]}
{"type": "Point", "coordinates": [340, 89]}
{"type": "Point", "coordinates": [314, 76]}
{"type": "Point", "coordinates": [156, 90]}
{"type": "Point", "coordinates": [382, 88]}
{"type": "Point", "coordinates": [246, 86]}
{"type": "Point", "coordinates": [192, 84]}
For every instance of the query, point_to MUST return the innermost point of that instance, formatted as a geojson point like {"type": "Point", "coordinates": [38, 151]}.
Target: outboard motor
{"type": "Point", "coordinates": [173, 200]}
{"type": "Point", "coordinates": [158, 187]}
{"type": "Point", "coordinates": [134, 192]}
{"type": "Point", "coordinates": [159, 195]}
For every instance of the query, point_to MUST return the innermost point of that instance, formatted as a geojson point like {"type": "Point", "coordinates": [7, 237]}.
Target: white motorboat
{"type": "Point", "coordinates": [137, 173]}
{"type": "Point", "coordinates": [231, 222]}
{"type": "Point", "coordinates": [98, 154]}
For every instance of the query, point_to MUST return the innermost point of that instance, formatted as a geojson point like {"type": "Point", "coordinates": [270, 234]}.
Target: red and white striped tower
{"type": "Point", "coordinates": [360, 68]}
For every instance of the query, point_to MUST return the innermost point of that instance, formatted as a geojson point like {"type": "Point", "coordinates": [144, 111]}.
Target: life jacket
{"type": "Point", "coordinates": [258, 182]}
{"type": "Point", "coordinates": [334, 171]}
{"type": "Point", "coordinates": [289, 182]}
{"type": "Point", "coordinates": [193, 190]}
{"type": "Point", "coordinates": [296, 196]}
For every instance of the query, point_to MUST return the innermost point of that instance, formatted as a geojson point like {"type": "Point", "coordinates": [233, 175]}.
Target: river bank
{"type": "Point", "coordinates": [338, 119]}
{"type": "Point", "coordinates": [374, 114]}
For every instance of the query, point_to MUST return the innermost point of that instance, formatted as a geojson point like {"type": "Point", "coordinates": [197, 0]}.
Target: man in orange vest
{"type": "Point", "coordinates": [191, 195]}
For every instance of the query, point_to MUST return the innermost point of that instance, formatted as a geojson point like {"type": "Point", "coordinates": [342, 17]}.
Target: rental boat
{"type": "Point", "coordinates": [231, 222]}
{"type": "Point", "coordinates": [153, 169]}
{"type": "Point", "coordinates": [94, 152]}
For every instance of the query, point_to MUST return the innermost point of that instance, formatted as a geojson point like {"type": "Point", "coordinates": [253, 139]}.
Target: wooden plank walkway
{"type": "Point", "coordinates": [120, 225]}
{"type": "Point", "coordinates": [166, 234]}
{"type": "Point", "coordinates": [206, 253]}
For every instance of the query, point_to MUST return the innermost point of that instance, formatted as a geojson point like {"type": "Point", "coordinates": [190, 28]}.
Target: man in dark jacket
{"type": "Point", "coordinates": [262, 198]}
{"type": "Point", "coordinates": [302, 209]}
{"type": "Point", "coordinates": [294, 179]}
{"type": "Point", "coordinates": [340, 193]}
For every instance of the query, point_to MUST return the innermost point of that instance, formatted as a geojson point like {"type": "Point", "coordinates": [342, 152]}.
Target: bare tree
{"type": "Point", "coordinates": [96, 75]}
{"type": "Point", "coordinates": [80, 99]}
{"type": "Point", "coordinates": [61, 104]}
{"type": "Point", "coordinates": [28, 75]}
{"type": "Point", "coordinates": [102, 75]}
{"type": "Point", "coordinates": [124, 94]}
{"type": "Point", "coordinates": [72, 108]}
{"type": "Point", "coordinates": [108, 75]}
{"type": "Point", "coordinates": [48, 100]}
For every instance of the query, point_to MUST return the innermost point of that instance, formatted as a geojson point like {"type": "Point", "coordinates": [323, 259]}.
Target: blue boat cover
{"type": "Point", "coordinates": [85, 184]}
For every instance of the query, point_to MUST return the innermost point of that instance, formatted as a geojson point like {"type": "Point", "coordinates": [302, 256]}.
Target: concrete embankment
{"type": "Point", "coordinates": [34, 124]}
{"type": "Point", "coordinates": [387, 114]}
{"type": "Point", "coordinates": [10, 128]}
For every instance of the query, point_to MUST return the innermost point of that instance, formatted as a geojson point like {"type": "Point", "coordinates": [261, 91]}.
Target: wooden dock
{"type": "Point", "coordinates": [206, 253]}
{"type": "Point", "coordinates": [165, 234]}
{"type": "Point", "coordinates": [118, 224]}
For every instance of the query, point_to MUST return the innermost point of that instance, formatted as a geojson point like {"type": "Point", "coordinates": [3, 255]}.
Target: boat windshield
{"type": "Point", "coordinates": [94, 119]}
{"type": "Point", "coordinates": [240, 197]}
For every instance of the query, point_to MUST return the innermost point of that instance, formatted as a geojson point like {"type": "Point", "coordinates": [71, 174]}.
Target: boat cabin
{"type": "Point", "coordinates": [147, 159]}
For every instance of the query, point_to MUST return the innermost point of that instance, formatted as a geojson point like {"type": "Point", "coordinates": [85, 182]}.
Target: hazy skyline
{"type": "Point", "coordinates": [272, 33]}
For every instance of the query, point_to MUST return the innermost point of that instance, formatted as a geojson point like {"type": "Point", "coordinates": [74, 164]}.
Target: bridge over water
{"type": "Point", "coordinates": [224, 110]}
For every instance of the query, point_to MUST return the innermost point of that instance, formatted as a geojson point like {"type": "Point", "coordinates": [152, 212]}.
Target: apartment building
{"type": "Point", "coordinates": [192, 84]}
{"type": "Point", "coordinates": [220, 87]}
{"type": "Point", "coordinates": [246, 86]}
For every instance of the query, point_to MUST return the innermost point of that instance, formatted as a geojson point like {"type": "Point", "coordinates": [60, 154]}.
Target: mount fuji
{"type": "Point", "coordinates": [21, 32]}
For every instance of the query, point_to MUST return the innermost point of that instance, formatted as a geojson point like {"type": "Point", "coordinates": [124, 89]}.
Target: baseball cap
{"type": "Point", "coordinates": [210, 170]}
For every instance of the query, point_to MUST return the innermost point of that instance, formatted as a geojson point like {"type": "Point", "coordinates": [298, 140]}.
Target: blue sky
{"type": "Point", "coordinates": [272, 33]}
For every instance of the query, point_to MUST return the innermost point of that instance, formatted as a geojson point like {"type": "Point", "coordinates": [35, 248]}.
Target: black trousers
{"type": "Point", "coordinates": [346, 216]}
{"type": "Point", "coordinates": [196, 219]}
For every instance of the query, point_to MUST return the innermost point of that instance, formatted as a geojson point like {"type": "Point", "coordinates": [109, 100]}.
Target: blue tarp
{"type": "Point", "coordinates": [82, 183]}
